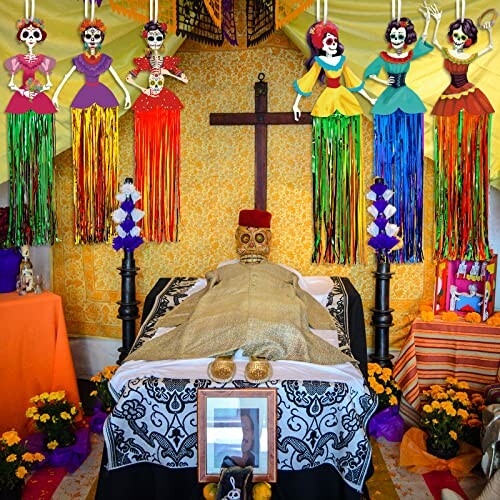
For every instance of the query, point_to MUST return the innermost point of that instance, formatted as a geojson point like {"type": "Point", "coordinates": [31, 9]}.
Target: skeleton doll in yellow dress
{"type": "Point", "coordinates": [336, 150]}
{"type": "Point", "coordinates": [252, 305]}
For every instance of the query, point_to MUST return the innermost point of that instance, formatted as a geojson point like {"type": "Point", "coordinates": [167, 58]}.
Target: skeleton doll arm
{"type": "Point", "coordinates": [131, 81]}
{"type": "Point", "coordinates": [425, 10]}
{"type": "Point", "coordinates": [487, 26]}
{"type": "Point", "coordinates": [182, 77]}
{"type": "Point", "coordinates": [55, 97]}
{"type": "Point", "coordinates": [436, 15]}
{"type": "Point", "coordinates": [122, 86]}
{"type": "Point", "coordinates": [296, 109]}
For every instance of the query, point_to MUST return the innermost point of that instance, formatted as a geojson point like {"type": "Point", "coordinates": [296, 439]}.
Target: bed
{"type": "Point", "coordinates": [323, 447]}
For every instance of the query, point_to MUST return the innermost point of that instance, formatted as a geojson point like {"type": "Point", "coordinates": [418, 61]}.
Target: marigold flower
{"type": "Point", "coordinates": [30, 412]}
{"type": "Point", "coordinates": [473, 317]}
{"type": "Point", "coordinates": [464, 414]}
{"type": "Point", "coordinates": [74, 410]}
{"type": "Point", "coordinates": [427, 315]}
{"type": "Point", "coordinates": [39, 457]}
{"type": "Point", "coordinates": [11, 458]}
{"type": "Point", "coordinates": [44, 395]}
{"type": "Point", "coordinates": [449, 316]}
{"type": "Point", "coordinates": [436, 405]}
{"type": "Point", "coordinates": [388, 390]}
{"type": "Point", "coordinates": [453, 435]}
{"type": "Point", "coordinates": [379, 388]}
{"type": "Point", "coordinates": [427, 408]}
{"type": "Point", "coordinates": [435, 421]}
{"type": "Point", "coordinates": [52, 445]}
{"type": "Point", "coordinates": [11, 437]}
{"type": "Point", "coordinates": [35, 399]}
{"type": "Point", "coordinates": [426, 308]}
{"type": "Point", "coordinates": [65, 415]}
{"type": "Point", "coordinates": [94, 393]}
{"type": "Point", "coordinates": [21, 472]}
{"type": "Point", "coordinates": [44, 418]}
{"type": "Point", "coordinates": [393, 400]}
{"type": "Point", "coordinates": [28, 457]}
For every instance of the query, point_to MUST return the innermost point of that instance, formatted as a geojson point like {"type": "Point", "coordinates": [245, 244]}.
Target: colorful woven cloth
{"type": "Point", "coordinates": [438, 349]}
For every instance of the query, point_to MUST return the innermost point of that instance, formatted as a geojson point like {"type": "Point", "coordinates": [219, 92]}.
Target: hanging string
{"type": "Point", "coordinates": [86, 9]}
{"type": "Point", "coordinates": [318, 7]}
{"type": "Point", "coordinates": [153, 10]}
{"type": "Point", "coordinates": [26, 10]}
{"type": "Point", "coordinates": [318, 10]}
{"type": "Point", "coordinates": [460, 15]}
{"type": "Point", "coordinates": [92, 10]}
{"type": "Point", "coordinates": [325, 11]}
{"type": "Point", "coordinates": [394, 14]}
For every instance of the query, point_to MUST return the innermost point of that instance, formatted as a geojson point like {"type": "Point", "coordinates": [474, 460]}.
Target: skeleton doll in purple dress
{"type": "Point", "coordinates": [94, 116]}
{"type": "Point", "coordinates": [31, 142]}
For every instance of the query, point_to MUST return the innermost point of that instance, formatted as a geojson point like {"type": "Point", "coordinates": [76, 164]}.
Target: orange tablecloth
{"type": "Point", "coordinates": [438, 349]}
{"type": "Point", "coordinates": [34, 354]}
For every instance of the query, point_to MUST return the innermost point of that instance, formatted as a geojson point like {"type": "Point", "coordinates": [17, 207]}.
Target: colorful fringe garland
{"type": "Point", "coordinates": [338, 206]}
{"type": "Point", "coordinates": [95, 171]}
{"type": "Point", "coordinates": [399, 158]}
{"type": "Point", "coordinates": [461, 186]}
{"type": "Point", "coordinates": [31, 150]}
{"type": "Point", "coordinates": [157, 167]}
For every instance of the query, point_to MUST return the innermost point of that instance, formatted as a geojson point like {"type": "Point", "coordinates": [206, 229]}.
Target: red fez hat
{"type": "Point", "coordinates": [255, 218]}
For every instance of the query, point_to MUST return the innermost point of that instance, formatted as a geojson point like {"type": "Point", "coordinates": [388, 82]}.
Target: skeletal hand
{"type": "Point", "coordinates": [296, 113]}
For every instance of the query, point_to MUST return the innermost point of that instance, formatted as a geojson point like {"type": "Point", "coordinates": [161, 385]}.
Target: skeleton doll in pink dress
{"type": "Point", "coordinates": [31, 142]}
{"type": "Point", "coordinates": [157, 138]}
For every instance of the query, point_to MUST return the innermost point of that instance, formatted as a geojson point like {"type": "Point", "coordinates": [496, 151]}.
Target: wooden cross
{"type": "Point", "coordinates": [260, 119]}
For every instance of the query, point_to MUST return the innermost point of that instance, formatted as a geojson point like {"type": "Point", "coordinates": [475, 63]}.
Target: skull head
{"type": "Point", "coordinates": [31, 32]}
{"type": "Point", "coordinates": [93, 37]}
{"type": "Point", "coordinates": [155, 39]}
{"type": "Point", "coordinates": [156, 82]}
{"type": "Point", "coordinates": [253, 243]}
{"type": "Point", "coordinates": [397, 37]}
{"type": "Point", "coordinates": [459, 39]}
{"type": "Point", "coordinates": [330, 44]}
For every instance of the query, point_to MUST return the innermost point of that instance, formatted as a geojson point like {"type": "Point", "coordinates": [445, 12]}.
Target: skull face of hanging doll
{"type": "Point", "coordinates": [462, 34]}
{"type": "Point", "coordinates": [92, 34]}
{"type": "Point", "coordinates": [31, 32]}
{"type": "Point", "coordinates": [324, 37]}
{"type": "Point", "coordinates": [154, 35]}
{"type": "Point", "coordinates": [400, 34]}
{"type": "Point", "coordinates": [253, 236]}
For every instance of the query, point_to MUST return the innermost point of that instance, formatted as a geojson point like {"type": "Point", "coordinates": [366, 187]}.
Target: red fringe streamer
{"type": "Point", "coordinates": [157, 168]}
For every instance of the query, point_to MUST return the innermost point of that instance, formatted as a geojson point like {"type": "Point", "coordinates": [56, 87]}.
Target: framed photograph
{"type": "Point", "coordinates": [237, 427]}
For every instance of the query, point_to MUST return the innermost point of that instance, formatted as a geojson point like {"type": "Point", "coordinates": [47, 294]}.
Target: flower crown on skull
{"type": "Point", "coordinates": [38, 23]}
{"type": "Point", "coordinates": [96, 23]}
{"type": "Point", "coordinates": [319, 30]}
{"type": "Point", "coordinates": [152, 26]}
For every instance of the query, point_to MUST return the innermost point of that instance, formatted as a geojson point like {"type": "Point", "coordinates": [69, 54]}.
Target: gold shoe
{"type": "Point", "coordinates": [258, 370]}
{"type": "Point", "coordinates": [222, 370]}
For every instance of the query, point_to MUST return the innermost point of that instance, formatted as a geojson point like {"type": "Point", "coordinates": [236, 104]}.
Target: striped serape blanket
{"type": "Point", "coordinates": [438, 349]}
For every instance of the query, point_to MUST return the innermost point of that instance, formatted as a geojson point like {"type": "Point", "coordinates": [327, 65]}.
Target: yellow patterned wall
{"type": "Point", "coordinates": [217, 166]}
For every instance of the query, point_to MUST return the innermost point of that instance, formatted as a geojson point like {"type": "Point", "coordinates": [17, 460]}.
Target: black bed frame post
{"type": "Point", "coordinates": [128, 311]}
{"type": "Point", "coordinates": [382, 315]}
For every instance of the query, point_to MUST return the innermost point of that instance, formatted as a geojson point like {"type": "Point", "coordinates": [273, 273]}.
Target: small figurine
{"type": "Point", "coordinates": [474, 272]}
{"type": "Point", "coordinates": [462, 269]}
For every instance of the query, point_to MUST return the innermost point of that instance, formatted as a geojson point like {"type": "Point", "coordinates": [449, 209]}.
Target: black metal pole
{"type": "Point", "coordinates": [128, 311]}
{"type": "Point", "coordinates": [382, 315]}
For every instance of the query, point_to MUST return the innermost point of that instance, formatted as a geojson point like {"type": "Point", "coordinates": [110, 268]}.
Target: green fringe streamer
{"type": "Point", "coordinates": [31, 151]}
{"type": "Point", "coordinates": [338, 206]}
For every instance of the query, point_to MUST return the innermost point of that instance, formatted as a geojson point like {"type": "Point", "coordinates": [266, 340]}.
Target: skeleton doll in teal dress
{"type": "Point", "coordinates": [398, 118]}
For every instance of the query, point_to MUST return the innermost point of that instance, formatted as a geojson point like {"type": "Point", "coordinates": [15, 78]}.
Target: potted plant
{"type": "Point", "coordinates": [444, 413]}
{"type": "Point", "coordinates": [54, 417]}
{"type": "Point", "coordinates": [101, 382]}
{"type": "Point", "coordinates": [15, 464]}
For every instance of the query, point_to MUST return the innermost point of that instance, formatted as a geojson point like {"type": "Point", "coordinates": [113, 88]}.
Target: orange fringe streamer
{"type": "Point", "coordinates": [95, 172]}
{"type": "Point", "coordinates": [157, 167]}
{"type": "Point", "coordinates": [462, 176]}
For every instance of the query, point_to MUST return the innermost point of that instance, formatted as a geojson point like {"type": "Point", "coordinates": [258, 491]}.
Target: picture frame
{"type": "Point", "coordinates": [237, 427]}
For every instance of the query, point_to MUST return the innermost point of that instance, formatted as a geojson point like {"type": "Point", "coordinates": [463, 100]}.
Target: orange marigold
{"type": "Point", "coordinates": [449, 316]}
{"type": "Point", "coordinates": [427, 315]}
{"type": "Point", "coordinates": [473, 317]}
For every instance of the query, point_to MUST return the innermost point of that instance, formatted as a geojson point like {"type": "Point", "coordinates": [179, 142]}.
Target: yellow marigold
{"type": "Point", "coordinates": [425, 308]}
{"type": "Point", "coordinates": [435, 421]}
{"type": "Point", "coordinates": [21, 472]}
{"type": "Point", "coordinates": [95, 378]}
{"type": "Point", "coordinates": [11, 458]}
{"type": "Point", "coordinates": [453, 435]}
{"type": "Point", "coordinates": [35, 399]}
{"type": "Point", "coordinates": [393, 400]}
{"type": "Point", "coordinates": [493, 320]}
{"type": "Point", "coordinates": [28, 457]}
{"type": "Point", "coordinates": [30, 412]}
{"type": "Point", "coordinates": [94, 393]}
{"type": "Point", "coordinates": [451, 380]}
{"type": "Point", "coordinates": [11, 437]}
{"type": "Point", "coordinates": [427, 408]}
{"type": "Point", "coordinates": [44, 418]}
{"type": "Point", "coordinates": [449, 316]}
{"type": "Point", "coordinates": [39, 457]}
{"type": "Point", "coordinates": [462, 385]}
{"type": "Point", "coordinates": [55, 419]}
{"type": "Point", "coordinates": [385, 377]}
{"type": "Point", "coordinates": [473, 317]}
{"type": "Point", "coordinates": [73, 409]}
{"type": "Point", "coordinates": [388, 390]}
{"type": "Point", "coordinates": [451, 411]}
{"type": "Point", "coordinates": [463, 397]}
{"type": "Point", "coordinates": [65, 415]}
{"type": "Point", "coordinates": [436, 405]}
{"type": "Point", "coordinates": [44, 395]}
{"type": "Point", "coordinates": [379, 388]}
{"type": "Point", "coordinates": [464, 414]}
{"type": "Point", "coordinates": [427, 315]}
{"type": "Point", "coordinates": [52, 445]}
{"type": "Point", "coordinates": [442, 395]}
{"type": "Point", "coordinates": [36, 416]}
{"type": "Point", "coordinates": [61, 395]}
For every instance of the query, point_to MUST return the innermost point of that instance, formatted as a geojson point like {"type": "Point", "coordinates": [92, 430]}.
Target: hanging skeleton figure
{"type": "Point", "coordinates": [31, 140]}
{"type": "Point", "coordinates": [398, 123]}
{"type": "Point", "coordinates": [157, 137]}
{"type": "Point", "coordinates": [462, 131]}
{"type": "Point", "coordinates": [338, 203]}
{"type": "Point", "coordinates": [94, 122]}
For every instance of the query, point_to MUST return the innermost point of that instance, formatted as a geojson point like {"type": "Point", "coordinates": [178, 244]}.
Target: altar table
{"type": "Point", "coordinates": [34, 355]}
{"type": "Point", "coordinates": [438, 349]}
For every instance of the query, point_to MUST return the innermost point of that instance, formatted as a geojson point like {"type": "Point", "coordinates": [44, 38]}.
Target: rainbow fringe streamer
{"type": "Point", "coordinates": [399, 159]}
{"type": "Point", "coordinates": [31, 150]}
{"type": "Point", "coordinates": [461, 186]}
{"type": "Point", "coordinates": [157, 167]}
{"type": "Point", "coordinates": [338, 206]}
{"type": "Point", "coordinates": [95, 172]}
